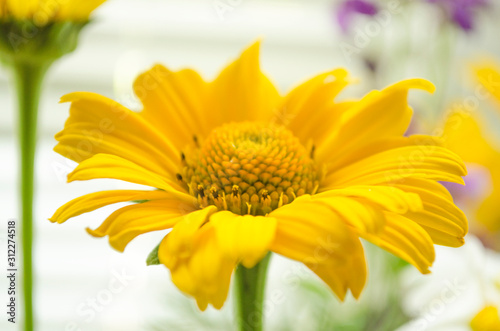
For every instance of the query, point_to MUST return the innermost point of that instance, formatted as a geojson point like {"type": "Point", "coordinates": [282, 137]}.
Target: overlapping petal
{"type": "Point", "coordinates": [174, 103]}
{"type": "Point", "coordinates": [379, 115]}
{"type": "Point", "coordinates": [110, 166]}
{"type": "Point", "coordinates": [197, 264]}
{"type": "Point", "coordinates": [445, 222]}
{"type": "Point", "coordinates": [406, 239]}
{"type": "Point", "coordinates": [128, 222]}
{"type": "Point", "coordinates": [314, 234]}
{"type": "Point", "coordinates": [309, 110]}
{"type": "Point", "coordinates": [425, 162]}
{"type": "Point", "coordinates": [99, 125]}
{"type": "Point", "coordinates": [245, 239]}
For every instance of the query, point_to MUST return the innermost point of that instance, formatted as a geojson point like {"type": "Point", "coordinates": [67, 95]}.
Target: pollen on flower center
{"type": "Point", "coordinates": [249, 168]}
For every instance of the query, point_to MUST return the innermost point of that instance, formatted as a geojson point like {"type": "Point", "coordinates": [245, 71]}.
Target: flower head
{"type": "Point", "coordinates": [43, 12]}
{"type": "Point", "coordinates": [41, 30]}
{"type": "Point", "coordinates": [240, 171]}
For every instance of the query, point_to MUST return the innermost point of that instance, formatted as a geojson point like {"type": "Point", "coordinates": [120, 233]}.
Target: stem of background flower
{"type": "Point", "coordinates": [249, 295]}
{"type": "Point", "coordinates": [28, 79]}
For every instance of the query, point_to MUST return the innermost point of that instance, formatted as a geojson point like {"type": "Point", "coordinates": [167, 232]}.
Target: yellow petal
{"type": "Point", "coordinates": [100, 125]}
{"type": "Point", "coordinates": [428, 186]}
{"type": "Point", "coordinates": [242, 92]}
{"type": "Point", "coordinates": [379, 115]}
{"type": "Point", "coordinates": [198, 266]}
{"type": "Point", "coordinates": [180, 240]}
{"type": "Point", "coordinates": [488, 75]}
{"type": "Point", "coordinates": [77, 10]}
{"type": "Point", "coordinates": [349, 276]}
{"type": "Point", "coordinates": [443, 238]}
{"type": "Point", "coordinates": [378, 146]}
{"type": "Point", "coordinates": [244, 238]}
{"type": "Point", "coordinates": [388, 198]}
{"type": "Point", "coordinates": [175, 103]}
{"type": "Point", "coordinates": [114, 167]}
{"type": "Point", "coordinates": [211, 269]}
{"type": "Point", "coordinates": [309, 110]}
{"type": "Point", "coordinates": [314, 234]}
{"type": "Point", "coordinates": [358, 213]}
{"type": "Point", "coordinates": [128, 222]}
{"type": "Point", "coordinates": [361, 206]}
{"type": "Point", "coordinates": [93, 201]}
{"type": "Point", "coordinates": [406, 239]}
{"type": "Point", "coordinates": [438, 213]}
{"type": "Point", "coordinates": [424, 162]}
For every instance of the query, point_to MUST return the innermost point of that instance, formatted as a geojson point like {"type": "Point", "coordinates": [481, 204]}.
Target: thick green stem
{"type": "Point", "coordinates": [28, 78]}
{"type": "Point", "coordinates": [249, 295]}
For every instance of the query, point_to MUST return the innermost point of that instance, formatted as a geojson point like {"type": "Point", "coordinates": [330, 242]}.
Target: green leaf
{"type": "Point", "coordinates": [153, 257]}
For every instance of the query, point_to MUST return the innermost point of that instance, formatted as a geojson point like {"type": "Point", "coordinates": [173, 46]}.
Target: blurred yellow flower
{"type": "Point", "coordinates": [35, 33]}
{"type": "Point", "coordinates": [487, 319]}
{"type": "Point", "coordinates": [465, 135]}
{"type": "Point", "coordinates": [488, 74]}
{"type": "Point", "coordinates": [240, 171]}
{"type": "Point", "coordinates": [42, 12]}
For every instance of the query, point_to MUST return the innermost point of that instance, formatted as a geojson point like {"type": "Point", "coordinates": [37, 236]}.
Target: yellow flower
{"type": "Point", "coordinates": [465, 136]}
{"type": "Point", "coordinates": [488, 74]}
{"type": "Point", "coordinates": [241, 171]}
{"type": "Point", "coordinates": [42, 12]}
{"type": "Point", "coordinates": [487, 319]}
{"type": "Point", "coordinates": [38, 32]}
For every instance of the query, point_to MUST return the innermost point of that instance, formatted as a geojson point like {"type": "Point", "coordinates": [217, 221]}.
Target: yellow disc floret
{"type": "Point", "coordinates": [249, 168]}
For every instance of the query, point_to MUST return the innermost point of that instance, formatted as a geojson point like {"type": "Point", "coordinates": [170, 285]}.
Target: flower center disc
{"type": "Point", "coordinates": [250, 168]}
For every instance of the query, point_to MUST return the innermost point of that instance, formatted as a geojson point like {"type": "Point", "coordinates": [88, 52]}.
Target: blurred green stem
{"type": "Point", "coordinates": [28, 78]}
{"type": "Point", "coordinates": [249, 295]}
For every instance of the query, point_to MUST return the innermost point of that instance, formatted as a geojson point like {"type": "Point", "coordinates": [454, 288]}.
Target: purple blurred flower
{"type": "Point", "coordinates": [349, 8]}
{"type": "Point", "coordinates": [461, 12]}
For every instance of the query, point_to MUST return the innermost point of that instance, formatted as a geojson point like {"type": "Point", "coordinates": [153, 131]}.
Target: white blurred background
{"type": "Point", "coordinates": [300, 39]}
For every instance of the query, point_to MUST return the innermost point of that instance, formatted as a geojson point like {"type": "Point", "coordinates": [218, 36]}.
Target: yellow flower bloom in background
{"type": "Point", "coordinates": [488, 74]}
{"type": "Point", "coordinates": [240, 171]}
{"type": "Point", "coordinates": [38, 32]}
{"type": "Point", "coordinates": [42, 12]}
{"type": "Point", "coordinates": [467, 136]}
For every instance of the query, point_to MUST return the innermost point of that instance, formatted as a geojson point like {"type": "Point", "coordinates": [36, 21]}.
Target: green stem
{"type": "Point", "coordinates": [250, 285]}
{"type": "Point", "coordinates": [28, 78]}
